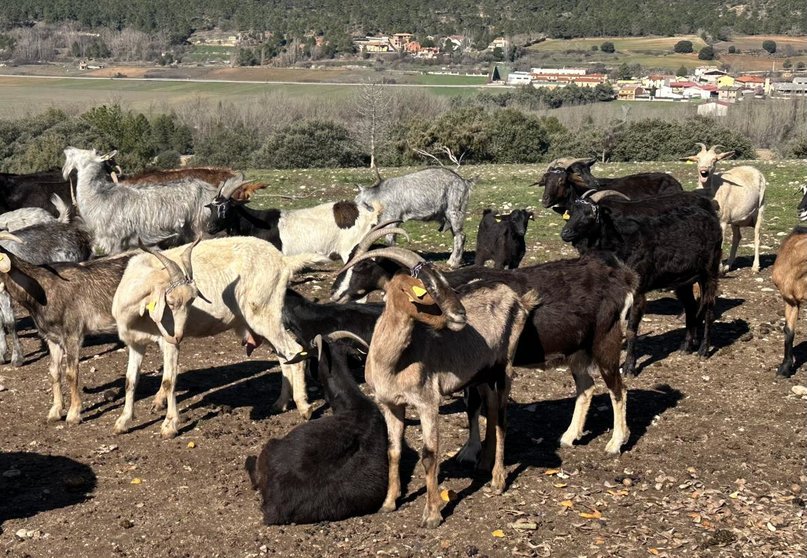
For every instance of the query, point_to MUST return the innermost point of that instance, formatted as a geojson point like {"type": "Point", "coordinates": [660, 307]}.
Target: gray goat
{"type": "Point", "coordinates": [119, 214]}
{"type": "Point", "coordinates": [55, 241]}
{"type": "Point", "coordinates": [433, 194]}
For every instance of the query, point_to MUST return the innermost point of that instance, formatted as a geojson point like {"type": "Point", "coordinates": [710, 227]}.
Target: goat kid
{"type": "Point", "coordinates": [789, 274]}
{"type": "Point", "coordinates": [431, 341]}
{"type": "Point", "coordinates": [501, 238]}
{"type": "Point", "coordinates": [160, 302]}
{"type": "Point", "coordinates": [333, 467]}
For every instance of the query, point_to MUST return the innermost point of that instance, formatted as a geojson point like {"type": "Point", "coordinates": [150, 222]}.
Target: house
{"type": "Point", "coordinates": [428, 53]}
{"type": "Point", "coordinates": [632, 92]}
{"type": "Point", "coordinates": [399, 40]}
{"type": "Point", "coordinates": [698, 92]}
{"type": "Point", "coordinates": [709, 74]}
{"type": "Point", "coordinates": [724, 81]}
{"type": "Point", "coordinates": [657, 80]}
{"type": "Point", "coordinates": [679, 86]}
{"type": "Point", "coordinates": [714, 108]}
{"type": "Point", "coordinates": [795, 88]}
{"type": "Point", "coordinates": [751, 83]}
{"type": "Point", "coordinates": [729, 93]}
{"type": "Point", "coordinates": [412, 47]}
{"type": "Point", "coordinates": [374, 44]}
{"type": "Point", "coordinates": [519, 78]}
{"type": "Point", "coordinates": [456, 40]}
{"type": "Point", "coordinates": [499, 42]}
{"type": "Point", "coordinates": [666, 92]}
{"type": "Point", "coordinates": [559, 71]}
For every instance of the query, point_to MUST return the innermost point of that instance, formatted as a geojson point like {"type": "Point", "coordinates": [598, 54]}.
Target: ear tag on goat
{"type": "Point", "coordinates": [151, 306]}
{"type": "Point", "coordinates": [498, 219]}
{"type": "Point", "coordinates": [420, 292]}
{"type": "Point", "coordinates": [566, 215]}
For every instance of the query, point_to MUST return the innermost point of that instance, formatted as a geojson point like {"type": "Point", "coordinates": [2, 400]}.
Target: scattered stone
{"type": "Point", "coordinates": [25, 534]}
{"type": "Point", "coordinates": [801, 391]}
{"type": "Point", "coordinates": [11, 473]}
{"type": "Point", "coordinates": [126, 523]}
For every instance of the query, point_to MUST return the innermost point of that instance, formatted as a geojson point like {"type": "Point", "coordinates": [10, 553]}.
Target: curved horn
{"type": "Point", "coordinates": [342, 334]}
{"type": "Point", "coordinates": [386, 224]}
{"type": "Point", "coordinates": [587, 193]}
{"type": "Point", "coordinates": [372, 236]}
{"type": "Point", "coordinates": [600, 194]}
{"type": "Point", "coordinates": [174, 271]}
{"type": "Point", "coordinates": [186, 259]}
{"type": "Point", "coordinates": [230, 185]}
{"type": "Point", "coordinates": [5, 235]}
{"type": "Point", "coordinates": [714, 147]}
{"type": "Point", "coordinates": [702, 146]}
{"type": "Point", "coordinates": [404, 257]}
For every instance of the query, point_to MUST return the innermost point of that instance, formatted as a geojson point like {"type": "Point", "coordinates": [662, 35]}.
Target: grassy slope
{"type": "Point", "coordinates": [505, 187]}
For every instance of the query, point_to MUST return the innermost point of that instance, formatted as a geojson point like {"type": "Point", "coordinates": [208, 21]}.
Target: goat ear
{"type": "Point", "coordinates": [690, 158]}
{"type": "Point", "coordinates": [154, 303]}
{"type": "Point", "coordinates": [725, 155]}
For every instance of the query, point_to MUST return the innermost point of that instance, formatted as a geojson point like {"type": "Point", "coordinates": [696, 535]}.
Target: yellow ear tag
{"type": "Point", "coordinates": [151, 306]}
{"type": "Point", "coordinates": [498, 219]}
{"type": "Point", "coordinates": [566, 216]}
{"type": "Point", "coordinates": [303, 353]}
{"type": "Point", "coordinates": [420, 292]}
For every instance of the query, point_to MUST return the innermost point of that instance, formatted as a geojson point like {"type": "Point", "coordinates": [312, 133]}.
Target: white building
{"type": "Point", "coordinates": [519, 78]}
{"type": "Point", "coordinates": [559, 71]}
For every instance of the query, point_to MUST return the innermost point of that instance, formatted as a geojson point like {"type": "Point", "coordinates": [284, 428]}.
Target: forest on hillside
{"type": "Point", "coordinates": [480, 19]}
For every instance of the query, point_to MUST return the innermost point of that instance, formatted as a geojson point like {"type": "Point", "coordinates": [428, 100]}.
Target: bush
{"type": "Point", "coordinates": [769, 45]}
{"type": "Point", "coordinates": [311, 143]}
{"type": "Point", "coordinates": [683, 47]}
{"type": "Point", "coordinates": [706, 53]}
{"type": "Point", "coordinates": [608, 47]}
{"type": "Point", "coordinates": [733, 50]}
{"type": "Point", "coordinates": [795, 148]}
{"type": "Point", "coordinates": [167, 160]}
{"type": "Point", "coordinates": [225, 146]}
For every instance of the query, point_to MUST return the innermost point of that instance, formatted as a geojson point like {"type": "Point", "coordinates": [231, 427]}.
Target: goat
{"type": "Point", "coordinates": [325, 229]}
{"type": "Point", "coordinates": [119, 214]}
{"type": "Point", "coordinates": [158, 301]}
{"type": "Point", "coordinates": [432, 194]}
{"type": "Point", "coordinates": [671, 242]}
{"type": "Point", "coordinates": [431, 341]}
{"type": "Point", "coordinates": [331, 468]}
{"type": "Point", "coordinates": [501, 238]}
{"type": "Point", "coordinates": [43, 243]}
{"type": "Point", "coordinates": [18, 191]}
{"type": "Point", "coordinates": [567, 179]}
{"type": "Point", "coordinates": [66, 301]}
{"type": "Point", "coordinates": [28, 216]}
{"type": "Point", "coordinates": [583, 302]}
{"type": "Point", "coordinates": [740, 196]}
{"type": "Point", "coordinates": [788, 275]}
{"type": "Point", "coordinates": [306, 319]}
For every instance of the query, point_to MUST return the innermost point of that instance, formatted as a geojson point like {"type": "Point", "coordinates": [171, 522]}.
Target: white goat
{"type": "Point", "coordinates": [245, 279]}
{"type": "Point", "coordinates": [739, 193]}
{"type": "Point", "coordinates": [120, 214]}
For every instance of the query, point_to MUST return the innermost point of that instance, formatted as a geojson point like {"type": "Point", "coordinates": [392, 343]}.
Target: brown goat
{"type": "Point", "coordinates": [790, 277]}
{"type": "Point", "coordinates": [431, 341]}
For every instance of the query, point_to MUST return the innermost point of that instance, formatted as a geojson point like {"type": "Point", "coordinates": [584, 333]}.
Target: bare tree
{"type": "Point", "coordinates": [373, 106]}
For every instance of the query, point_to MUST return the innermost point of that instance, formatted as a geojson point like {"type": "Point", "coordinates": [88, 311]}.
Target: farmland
{"type": "Point", "coordinates": [714, 466]}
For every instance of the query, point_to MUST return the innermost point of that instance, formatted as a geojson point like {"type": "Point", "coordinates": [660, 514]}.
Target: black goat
{"type": "Point", "coordinates": [582, 304]}
{"type": "Point", "coordinates": [33, 190]}
{"type": "Point", "coordinates": [501, 238]}
{"type": "Point", "coordinates": [566, 180]}
{"type": "Point", "coordinates": [671, 242]}
{"type": "Point", "coordinates": [333, 467]}
{"type": "Point", "coordinates": [307, 319]}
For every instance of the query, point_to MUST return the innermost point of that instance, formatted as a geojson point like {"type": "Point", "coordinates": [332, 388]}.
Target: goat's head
{"type": "Point", "coordinates": [803, 204]}
{"type": "Point", "coordinates": [583, 219]}
{"type": "Point", "coordinates": [556, 183]}
{"type": "Point", "coordinates": [75, 158]}
{"type": "Point", "coordinates": [706, 160]}
{"type": "Point", "coordinates": [367, 275]}
{"type": "Point", "coordinates": [233, 191]}
{"type": "Point", "coordinates": [423, 294]}
{"type": "Point", "coordinates": [520, 218]}
{"type": "Point", "coordinates": [177, 293]}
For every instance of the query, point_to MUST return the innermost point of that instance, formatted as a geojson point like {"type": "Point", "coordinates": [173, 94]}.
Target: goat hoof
{"type": "Point", "coordinates": [17, 362]}
{"type": "Point", "coordinates": [120, 427]}
{"type": "Point", "coordinates": [469, 454]}
{"type": "Point", "coordinates": [54, 415]}
{"type": "Point", "coordinates": [306, 412]}
{"type": "Point", "coordinates": [157, 407]}
{"type": "Point", "coordinates": [785, 371]}
{"type": "Point", "coordinates": [430, 522]}
{"type": "Point", "coordinates": [73, 418]}
{"type": "Point", "coordinates": [567, 440]}
{"type": "Point", "coordinates": [388, 507]}
{"type": "Point", "coordinates": [168, 433]}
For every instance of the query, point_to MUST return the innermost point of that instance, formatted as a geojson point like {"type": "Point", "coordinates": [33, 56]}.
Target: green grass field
{"type": "Point", "coordinates": [507, 187]}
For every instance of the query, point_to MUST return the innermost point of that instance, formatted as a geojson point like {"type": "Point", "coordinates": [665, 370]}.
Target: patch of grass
{"type": "Point", "coordinates": [507, 187]}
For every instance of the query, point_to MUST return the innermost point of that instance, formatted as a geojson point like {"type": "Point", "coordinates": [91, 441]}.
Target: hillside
{"type": "Point", "coordinates": [479, 19]}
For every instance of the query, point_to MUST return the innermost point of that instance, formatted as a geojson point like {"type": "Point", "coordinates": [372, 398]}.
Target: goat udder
{"type": "Point", "coordinates": [251, 342]}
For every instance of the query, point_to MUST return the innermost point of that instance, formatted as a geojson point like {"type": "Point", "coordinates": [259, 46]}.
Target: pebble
{"type": "Point", "coordinates": [799, 390]}
{"type": "Point", "coordinates": [627, 481]}
{"type": "Point", "coordinates": [24, 534]}
{"type": "Point", "coordinates": [126, 523]}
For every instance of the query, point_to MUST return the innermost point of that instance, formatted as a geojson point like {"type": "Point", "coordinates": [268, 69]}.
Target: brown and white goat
{"type": "Point", "coordinates": [789, 274]}
{"type": "Point", "coordinates": [431, 341]}
{"type": "Point", "coordinates": [245, 279]}
{"type": "Point", "coordinates": [740, 196]}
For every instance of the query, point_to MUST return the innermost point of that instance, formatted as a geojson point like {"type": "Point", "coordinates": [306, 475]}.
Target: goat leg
{"type": "Point", "coordinates": [394, 416]}
{"type": "Point", "coordinates": [788, 366]}
{"type": "Point", "coordinates": [473, 446]}
{"type": "Point", "coordinates": [10, 329]}
{"type": "Point", "coordinates": [430, 459]}
{"type": "Point", "coordinates": [634, 319]}
{"type": "Point", "coordinates": [55, 371]}
{"type": "Point", "coordinates": [170, 369]}
{"type": "Point", "coordinates": [71, 368]}
{"type": "Point", "coordinates": [136, 353]}
{"type": "Point", "coordinates": [579, 364]}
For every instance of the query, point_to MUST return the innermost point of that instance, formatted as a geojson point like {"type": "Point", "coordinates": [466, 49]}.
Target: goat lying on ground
{"type": "Point", "coordinates": [739, 193]}
{"type": "Point", "coordinates": [66, 302]}
{"type": "Point", "coordinates": [567, 179]}
{"type": "Point", "coordinates": [501, 238]}
{"type": "Point", "coordinates": [671, 242]}
{"type": "Point", "coordinates": [57, 240]}
{"type": "Point", "coordinates": [789, 273]}
{"type": "Point", "coordinates": [328, 228]}
{"type": "Point", "coordinates": [331, 468]}
{"type": "Point", "coordinates": [433, 194]}
{"type": "Point", "coordinates": [583, 302]}
{"type": "Point", "coordinates": [430, 342]}
{"type": "Point", "coordinates": [151, 207]}
{"type": "Point", "coordinates": [245, 281]}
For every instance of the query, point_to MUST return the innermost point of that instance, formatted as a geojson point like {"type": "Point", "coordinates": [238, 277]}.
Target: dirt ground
{"type": "Point", "coordinates": [714, 467]}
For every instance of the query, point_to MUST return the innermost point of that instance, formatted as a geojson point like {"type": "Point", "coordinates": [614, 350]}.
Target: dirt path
{"type": "Point", "coordinates": [714, 467]}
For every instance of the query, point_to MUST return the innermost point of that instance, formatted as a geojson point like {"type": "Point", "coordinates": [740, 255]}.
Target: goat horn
{"type": "Point", "coordinates": [702, 146]}
{"type": "Point", "coordinates": [386, 224]}
{"type": "Point", "coordinates": [588, 193]}
{"type": "Point", "coordinates": [372, 236]}
{"type": "Point", "coordinates": [229, 186]}
{"type": "Point", "coordinates": [186, 258]}
{"type": "Point", "coordinates": [5, 235]}
{"type": "Point", "coordinates": [600, 194]}
{"type": "Point", "coordinates": [174, 271]}
{"type": "Point", "coordinates": [404, 257]}
{"type": "Point", "coordinates": [715, 146]}
{"type": "Point", "coordinates": [342, 334]}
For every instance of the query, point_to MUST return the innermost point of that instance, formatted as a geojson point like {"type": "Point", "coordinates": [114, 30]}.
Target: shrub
{"type": "Point", "coordinates": [311, 143]}
{"type": "Point", "coordinates": [225, 146]}
{"type": "Point", "coordinates": [608, 47]}
{"type": "Point", "coordinates": [706, 53]}
{"type": "Point", "coordinates": [167, 160]}
{"type": "Point", "coordinates": [733, 50]}
{"type": "Point", "coordinates": [683, 47]}
{"type": "Point", "coordinates": [769, 45]}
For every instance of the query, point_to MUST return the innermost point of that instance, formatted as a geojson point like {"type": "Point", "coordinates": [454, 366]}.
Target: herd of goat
{"type": "Point", "coordinates": [436, 333]}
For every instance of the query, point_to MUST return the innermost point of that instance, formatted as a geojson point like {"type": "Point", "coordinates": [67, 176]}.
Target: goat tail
{"type": "Point", "coordinates": [623, 316]}
{"type": "Point", "coordinates": [297, 262]}
{"type": "Point", "coordinates": [61, 208]}
{"type": "Point", "coordinates": [530, 300]}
